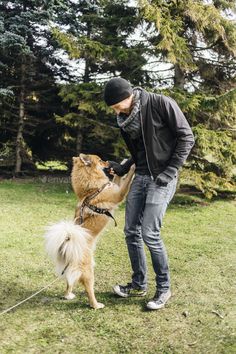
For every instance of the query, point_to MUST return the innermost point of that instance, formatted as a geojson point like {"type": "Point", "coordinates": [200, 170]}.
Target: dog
{"type": "Point", "coordinates": [71, 244]}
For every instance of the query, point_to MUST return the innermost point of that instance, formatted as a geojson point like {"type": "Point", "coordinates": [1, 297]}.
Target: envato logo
{"type": "Point", "coordinates": [51, 179]}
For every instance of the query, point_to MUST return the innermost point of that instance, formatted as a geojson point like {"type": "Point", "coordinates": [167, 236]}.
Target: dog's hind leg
{"type": "Point", "coordinates": [71, 278]}
{"type": "Point", "coordinates": [88, 280]}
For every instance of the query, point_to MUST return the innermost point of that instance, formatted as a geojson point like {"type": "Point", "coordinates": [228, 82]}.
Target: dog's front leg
{"type": "Point", "coordinates": [117, 180]}
{"type": "Point", "coordinates": [88, 281]}
{"type": "Point", "coordinates": [125, 184]}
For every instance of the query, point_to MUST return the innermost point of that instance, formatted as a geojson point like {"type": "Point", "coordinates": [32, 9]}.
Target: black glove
{"type": "Point", "coordinates": [106, 170]}
{"type": "Point", "coordinates": [118, 168]}
{"type": "Point", "coordinates": [166, 176]}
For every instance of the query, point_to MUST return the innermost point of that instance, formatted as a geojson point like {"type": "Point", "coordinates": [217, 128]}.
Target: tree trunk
{"type": "Point", "coordinates": [79, 141]}
{"type": "Point", "coordinates": [86, 77]}
{"type": "Point", "coordinates": [20, 128]}
{"type": "Point", "coordinates": [179, 79]}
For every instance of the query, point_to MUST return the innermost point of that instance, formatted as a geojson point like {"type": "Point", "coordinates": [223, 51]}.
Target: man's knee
{"type": "Point", "coordinates": [132, 234]}
{"type": "Point", "coordinates": [151, 237]}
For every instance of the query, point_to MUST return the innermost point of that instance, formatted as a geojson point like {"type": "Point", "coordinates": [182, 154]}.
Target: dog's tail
{"type": "Point", "coordinates": [66, 244]}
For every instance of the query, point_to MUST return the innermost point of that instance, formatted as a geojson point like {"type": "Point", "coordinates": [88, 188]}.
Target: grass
{"type": "Point", "coordinates": [200, 318]}
{"type": "Point", "coordinates": [52, 165]}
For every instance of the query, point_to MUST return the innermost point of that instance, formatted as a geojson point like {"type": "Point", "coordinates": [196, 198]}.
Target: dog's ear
{"type": "Point", "coordinates": [85, 159]}
{"type": "Point", "coordinates": [74, 159]}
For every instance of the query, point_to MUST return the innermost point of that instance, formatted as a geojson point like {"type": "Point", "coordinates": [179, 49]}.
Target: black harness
{"type": "Point", "coordinates": [93, 207]}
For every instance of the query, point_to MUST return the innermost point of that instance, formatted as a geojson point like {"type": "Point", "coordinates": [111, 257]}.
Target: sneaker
{"type": "Point", "coordinates": [128, 291]}
{"type": "Point", "coordinates": [159, 300]}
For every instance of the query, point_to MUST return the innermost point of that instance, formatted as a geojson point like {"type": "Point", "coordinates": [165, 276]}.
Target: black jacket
{"type": "Point", "coordinates": [168, 138]}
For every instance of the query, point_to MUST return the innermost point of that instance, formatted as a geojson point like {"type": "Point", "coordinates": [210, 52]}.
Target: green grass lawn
{"type": "Point", "coordinates": [200, 317]}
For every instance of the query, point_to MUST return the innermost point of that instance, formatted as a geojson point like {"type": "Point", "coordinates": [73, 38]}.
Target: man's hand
{"type": "Point", "coordinates": [166, 176]}
{"type": "Point", "coordinates": [116, 168]}
{"type": "Point", "coordinates": [162, 180]}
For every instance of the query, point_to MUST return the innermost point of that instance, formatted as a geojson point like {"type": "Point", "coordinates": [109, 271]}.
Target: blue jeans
{"type": "Point", "coordinates": [146, 204]}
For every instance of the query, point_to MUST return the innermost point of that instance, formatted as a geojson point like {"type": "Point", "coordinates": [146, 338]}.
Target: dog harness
{"type": "Point", "coordinates": [93, 207]}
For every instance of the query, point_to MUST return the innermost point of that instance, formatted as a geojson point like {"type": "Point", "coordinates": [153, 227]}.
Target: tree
{"type": "Point", "coordinates": [27, 67]}
{"type": "Point", "coordinates": [199, 39]}
{"type": "Point", "coordinates": [97, 35]}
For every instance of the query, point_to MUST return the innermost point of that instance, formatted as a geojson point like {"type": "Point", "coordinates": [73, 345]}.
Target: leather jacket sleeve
{"type": "Point", "coordinates": [177, 122]}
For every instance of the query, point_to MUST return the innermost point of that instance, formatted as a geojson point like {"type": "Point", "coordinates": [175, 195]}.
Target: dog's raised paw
{"type": "Point", "coordinates": [70, 296]}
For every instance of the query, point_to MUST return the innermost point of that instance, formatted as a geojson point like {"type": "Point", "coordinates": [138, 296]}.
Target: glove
{"type": "Point", "coordinates": [106, 170]}
{"type": "Point", "coordinates": [118, 168]}
{"type": "Point", "coordinates": [166, 176]}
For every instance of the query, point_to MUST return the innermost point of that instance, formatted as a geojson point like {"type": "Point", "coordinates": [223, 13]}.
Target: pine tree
{"type": "Point", "coordinates": [97, 35]}
{"type": "Point", "coordinates": [199, 39]}
{"type": "Point", "coordinates": [27, 70]}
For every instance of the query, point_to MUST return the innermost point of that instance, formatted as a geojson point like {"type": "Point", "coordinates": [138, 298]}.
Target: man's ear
{"type": "Point", "coordinates": [85, 159]}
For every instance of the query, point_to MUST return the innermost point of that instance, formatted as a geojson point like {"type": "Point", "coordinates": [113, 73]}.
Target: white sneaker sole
{"type": "Point", "coordinates": [151, 305]}
{"type": "Point", "coordinates": [117, 291]}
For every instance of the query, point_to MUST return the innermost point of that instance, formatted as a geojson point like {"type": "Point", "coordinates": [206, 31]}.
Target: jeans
{"type": "Point", "coordinates": [146, 204]}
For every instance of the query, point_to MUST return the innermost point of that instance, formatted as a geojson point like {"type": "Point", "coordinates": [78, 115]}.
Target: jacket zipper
{"type": "Point", "coordinates": [145, 145]}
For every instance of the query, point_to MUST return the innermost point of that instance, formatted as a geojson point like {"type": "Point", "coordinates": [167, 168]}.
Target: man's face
{"type": "Point", "coordinates": [123, 106]}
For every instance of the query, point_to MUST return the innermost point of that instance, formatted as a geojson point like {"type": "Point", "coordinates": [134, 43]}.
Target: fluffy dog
{"type": "Point", "coordinates": [71, 244]}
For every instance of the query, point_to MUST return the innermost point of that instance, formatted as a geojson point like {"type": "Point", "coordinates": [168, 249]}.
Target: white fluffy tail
{"type": "Point", "coordinates": [66, 243]}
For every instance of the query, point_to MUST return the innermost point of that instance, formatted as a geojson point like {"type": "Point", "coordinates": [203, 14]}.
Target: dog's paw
{"type": "Point", "coordinates": [132, 168]}
{"type": "Point", "coordinates": [98, 305]}
{"type": "Point", "coordinates": [70, 296]}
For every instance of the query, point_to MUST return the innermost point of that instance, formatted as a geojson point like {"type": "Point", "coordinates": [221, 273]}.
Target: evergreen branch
{"type": "Point", "coordinates": [11, 105]}
{"type": "Point", "coordinates": [101, 79]}
{"type": "Point", "coordinates": [164, 78]}
{"type": "Point", "coordinates": [160, 70]}
{"type": "Point", "coordinates": [13, 114]}
{"type": "Point", "coordinates": [95, 122]}
{"type": "Point", "coordinates": [195, 48]}
{"type": "Point", "coordinates": [213, 61]}
{"type": "Point", "coordinates": [228, 129]}
{"type": "Point", "coordinates": [7, 128]}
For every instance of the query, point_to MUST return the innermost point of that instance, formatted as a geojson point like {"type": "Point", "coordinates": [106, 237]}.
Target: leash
{"type": "Point", "coordinates": [93, 207]}
{"type": "Point", "coordinates": [37, 292]}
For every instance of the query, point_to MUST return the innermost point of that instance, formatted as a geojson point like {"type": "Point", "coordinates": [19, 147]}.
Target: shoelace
{"type": "Point", "coordinates": [127, 287]}
{"type": "Point", "coordinates": [158, 297]}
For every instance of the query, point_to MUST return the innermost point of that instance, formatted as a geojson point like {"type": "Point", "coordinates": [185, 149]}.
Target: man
{"type": "Point", "coordinates": [159, 139]}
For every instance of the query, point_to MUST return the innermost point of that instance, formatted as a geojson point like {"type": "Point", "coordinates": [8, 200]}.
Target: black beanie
{"type": "Point", "coordinates": [117, 90]}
